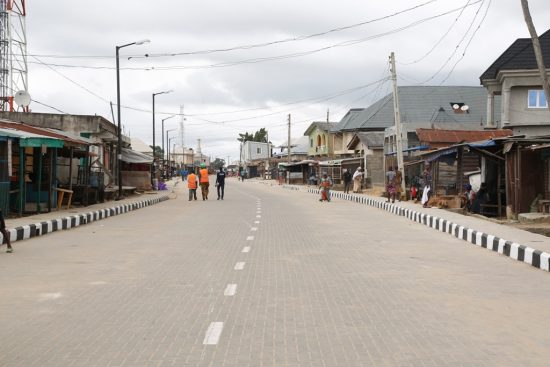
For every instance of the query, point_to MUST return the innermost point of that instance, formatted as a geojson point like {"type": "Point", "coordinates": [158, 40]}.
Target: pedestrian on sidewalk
{"type": "Point", "coordinates": [325, 185]}
{"type": "Point", "coordinates": [398, 180]}
{"type": "Point", "coordinates": [427, 182]}
{"type": "Point", "coordinates": [347, 181]}
{"type": "Point", "coordinates": [192, 185]}
{"type": "Point", "coordinates": [357, 176]}
{"type": "Point", "coordinates": [390, 185]}
{"type": "Point", "coordinates": [204, 181]}
{"type": "Point", "coordinates": [5, 233]}
{"type": "Point", "coordinates": [220, 183]}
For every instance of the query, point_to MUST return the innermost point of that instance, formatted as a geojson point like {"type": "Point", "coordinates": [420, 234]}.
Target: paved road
{"type": "Point", "coordinates": [267, 277]}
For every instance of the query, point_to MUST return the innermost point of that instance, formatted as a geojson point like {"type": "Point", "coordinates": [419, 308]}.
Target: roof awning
{"type": "Point", "coordinates": [27, 139]}
{"type": "Point", "coordinates": [131, 156]}
{"type": "Point", "coordinates": [413, 149]}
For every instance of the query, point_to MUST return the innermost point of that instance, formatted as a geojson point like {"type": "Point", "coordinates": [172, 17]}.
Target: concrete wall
{"type": "Point", "coordinates": [375, 167]}
{"type": "Point", "coordinates": [520, 114]}
{"type": "Point", "coordinates": [75, 124]}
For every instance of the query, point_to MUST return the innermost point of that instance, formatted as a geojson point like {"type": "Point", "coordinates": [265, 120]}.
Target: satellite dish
{"type": "Point", "coordinates": [456, 106]}
{"type": "Point", "coordinates": [465, 108]}
{"type": "Point", "coordinates": [22, 98]}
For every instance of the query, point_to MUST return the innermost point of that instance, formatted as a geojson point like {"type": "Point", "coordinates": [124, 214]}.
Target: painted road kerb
{"type": "Point", "coordinates": [58, 224]}
{"type": "Point", "coordinates": [536, 258]}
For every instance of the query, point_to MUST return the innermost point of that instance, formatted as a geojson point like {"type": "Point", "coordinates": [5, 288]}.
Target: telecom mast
{"type": "Point", "coordinates": [13, 53]}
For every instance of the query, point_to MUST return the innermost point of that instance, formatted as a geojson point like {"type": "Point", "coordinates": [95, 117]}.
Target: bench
{"type": "Point", "coordinates": [60, 196]}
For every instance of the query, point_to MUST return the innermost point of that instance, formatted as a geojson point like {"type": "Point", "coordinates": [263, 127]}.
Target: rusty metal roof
{"type": "Point", "coordinates": [44, 132]}
{"type": "Point", "coordinates": [459, 136]}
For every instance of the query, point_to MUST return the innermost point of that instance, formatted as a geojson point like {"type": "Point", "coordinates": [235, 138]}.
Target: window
{"type": "Point", "coordinates": [258, 150]}
{"type": "Point", "coordinates": [311, 143]}
{"type": "Point", "coordinates": [536, 99]}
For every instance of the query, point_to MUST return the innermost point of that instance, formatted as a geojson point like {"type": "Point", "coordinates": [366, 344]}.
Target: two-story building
{"type": "Point", "coordinates": [515, 78]}
{"type": "Point", "coordinates": [320, 142]}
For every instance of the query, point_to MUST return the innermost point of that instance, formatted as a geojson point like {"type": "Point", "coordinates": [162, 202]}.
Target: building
{"type": "Point", "coordinates": [514, 77]}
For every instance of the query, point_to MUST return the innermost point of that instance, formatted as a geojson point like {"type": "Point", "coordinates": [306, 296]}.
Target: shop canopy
{"type": "Point", "coordinates": [27, 139]}
{"type": "Point", "coordinates": [131, 156]}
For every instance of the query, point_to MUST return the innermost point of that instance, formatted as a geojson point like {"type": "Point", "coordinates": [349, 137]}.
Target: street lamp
{"type": "Point", "coordinates": [168, 145]}
{"type": "Point", "coordinates": [162, 136]}
{"type": "Point", "coordinates": [153, 167]}
{"type": "Point", "coordinates": [173, 153]}
{"type": "Point", "coordinates": [119, 135]}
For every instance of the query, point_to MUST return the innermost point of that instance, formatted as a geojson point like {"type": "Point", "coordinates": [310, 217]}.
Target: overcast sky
{"type": "Point", "coordinates": [71, 47]}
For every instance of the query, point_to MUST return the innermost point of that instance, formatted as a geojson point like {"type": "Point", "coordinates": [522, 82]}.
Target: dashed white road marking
{"type": "Point", "coordinates": [250, 238]}
{"type": "Point", "coordinates": [258, 216]}
{"type": "Point", "coordinates": [99, 282]}
{"type": "Point", "coordinates": [246, 249]}
{"type": "Point", "coordinates": [239, 265]}
{"type": "Point", "coordinates": [253, 229]}
{"type": "Point", "coordinates": [256, 222]}
{"type": "Point", "coordinates": [230, 290]}
{"type": "Point", "coordinates": [213, 333]}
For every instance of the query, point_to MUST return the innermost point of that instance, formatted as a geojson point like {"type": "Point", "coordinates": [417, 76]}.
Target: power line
{"type": "Point", "coordinates": [257, 45]}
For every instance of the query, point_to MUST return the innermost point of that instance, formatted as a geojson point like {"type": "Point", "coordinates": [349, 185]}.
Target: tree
{"type": "Point", "coordinates": [259, 136]}
{"type": "Point", "coordinates": [158, 152]}
{"type": "Point", "coordinates": [217, 164]}
{"type": "Point", "coordinates": [537, 49]}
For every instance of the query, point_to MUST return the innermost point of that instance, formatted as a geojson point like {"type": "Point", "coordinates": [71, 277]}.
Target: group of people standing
{"type": "Point", "coordinates": [204, 182]}
{"type": "Point", "coordinates": [356, 178]}
{"type": "Point", "coordinates": [394, 180]}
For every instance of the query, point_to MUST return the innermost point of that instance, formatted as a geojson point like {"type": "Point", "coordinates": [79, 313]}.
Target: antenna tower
{"type": "Point", "coordinates": [13, 52]}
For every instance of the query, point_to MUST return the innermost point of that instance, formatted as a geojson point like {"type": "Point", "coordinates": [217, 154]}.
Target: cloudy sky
{"type": "Point", "coordinates": [241, 65]}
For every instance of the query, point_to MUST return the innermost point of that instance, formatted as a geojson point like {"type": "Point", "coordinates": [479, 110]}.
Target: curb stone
{"type": "Point", "coordinates": [536, 258]}
{"type": "Point", "coordinates": [52, 225]}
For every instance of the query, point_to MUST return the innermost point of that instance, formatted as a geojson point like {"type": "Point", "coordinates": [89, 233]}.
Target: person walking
{"type": "Point", "coordinates": [397, 183]}
{"type": "Point", "coordinates": [347, 180]}
{"type": "Point", "coordinates": [5, 233]}
{"type": "Point", "coordinates": [427, 182]}
{"type": "Point", "coordinates": [192, 185]}
{"type": "Point", "coordinates": [325, 185]}
{"type": "Point", "coordinates": [204, 181]}
{"type": "Point", "coordinates": [220, 183]}
{"type": "Point", "coordinates": [357, 176]}
{"type": "Point", "coordinates": [390, 184]}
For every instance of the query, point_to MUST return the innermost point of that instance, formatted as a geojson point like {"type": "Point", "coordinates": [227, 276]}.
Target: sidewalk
{"type": "Point", "coordinates": [520, 245]}
{"type": "Point", "coordinates": [44, 223]}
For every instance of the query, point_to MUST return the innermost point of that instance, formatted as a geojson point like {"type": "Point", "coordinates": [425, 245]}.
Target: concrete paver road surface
{"type": "Point", "coordinates": [267, 277]}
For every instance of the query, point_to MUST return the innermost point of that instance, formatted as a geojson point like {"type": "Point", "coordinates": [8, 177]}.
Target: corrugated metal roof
{"type": "Point", "coordinates": [39, 131]}
{"type": "Point", "coordinates": [459, 136]}
{"type": "Point", "coordinates": [424, 104]}
{"type": "Point", "coordinates": [131, 156]}
{"type": "Point", "coordinates": [348, 121]}
{"type": "Point", "coordinates": [519, 56]}
{"type": "Point", "coordinates": [325, 126]}
{"type": "Point", "coordinates": [31, 139]}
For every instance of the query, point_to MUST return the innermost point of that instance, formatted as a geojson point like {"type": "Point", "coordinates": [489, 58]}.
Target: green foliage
{"type": "Point", "coordinates": [217, 163]}
{"type": "Point", "coordinates": [158, 151]}
{"type": "Point", "coordinates": [259, 136]}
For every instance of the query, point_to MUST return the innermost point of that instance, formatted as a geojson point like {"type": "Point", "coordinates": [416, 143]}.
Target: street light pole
{"type": "Point", "coordinates": [170, 161]}
{"type": "Point", "coordinates": [162, 136]}
{"type": "Point", "coordinates": [119, 132]}
{"type": "Point", "coordinates": [168, 145]}
{"type": "Point", "coordinates": [153, 169]}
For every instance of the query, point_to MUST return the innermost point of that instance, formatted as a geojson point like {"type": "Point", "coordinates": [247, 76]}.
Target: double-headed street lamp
{"type": "Point", "coordinates": [119, 135]}
{"type": "Point", "coordinates": [162, 136]}
{"type": "Point", "coordinates": [154, 146]}
{"type": "Point", "coordinates": [168, 145]}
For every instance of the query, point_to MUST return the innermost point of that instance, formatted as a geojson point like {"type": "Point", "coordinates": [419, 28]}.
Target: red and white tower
{"type": "Point", "coordinates": [13, 53]}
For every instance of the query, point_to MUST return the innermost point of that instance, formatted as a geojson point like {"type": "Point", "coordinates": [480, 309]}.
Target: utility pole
{"type": "Point", "coordinates": [288, 146]}
{"type": "Point", "coordinates": [537, 49]}
{"type": "Point", "coordinates": [182, 136]}
{"type": "Point", "coordinates": [398, 135]}
{"type": "Point", "coordinates": [328, 115]}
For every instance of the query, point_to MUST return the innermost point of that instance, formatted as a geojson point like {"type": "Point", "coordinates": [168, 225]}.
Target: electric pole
{"type": "Point", "coordinates": [398, 135]}
{"type": "Point", "coordinates": [537, 49]}
{"type": "Point", "coordinates": [288, 150]}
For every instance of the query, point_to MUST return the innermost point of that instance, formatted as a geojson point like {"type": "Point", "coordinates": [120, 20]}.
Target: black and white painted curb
{"type": "Point", "coordinates": [531, 256]}
{"type": "Point", "coordinates": [53, 225]}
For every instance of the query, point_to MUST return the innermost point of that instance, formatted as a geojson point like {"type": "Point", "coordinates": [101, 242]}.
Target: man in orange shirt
{"type": "Point", "coordinates": [203, 181]}
{"type": "Point", "coordinates": [192, 185]}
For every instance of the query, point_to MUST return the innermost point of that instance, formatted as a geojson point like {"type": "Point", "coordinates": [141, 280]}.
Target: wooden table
{"type": "Point", "coordinates": [60, 196]}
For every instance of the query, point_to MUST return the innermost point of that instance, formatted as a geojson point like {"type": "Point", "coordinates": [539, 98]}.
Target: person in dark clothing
{"type": "Point", "coordinates": [347, 181]}
{"type": "Point", "coordinates": [5, 233]}
{"type": "Point", "coordinates": [481, 198]}
{"type": "Point", "coordinates": [220, 183]}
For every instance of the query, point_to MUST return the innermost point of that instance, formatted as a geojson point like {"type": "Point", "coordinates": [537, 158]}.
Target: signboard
{"type": "Point", "coordinates": [296, 175]}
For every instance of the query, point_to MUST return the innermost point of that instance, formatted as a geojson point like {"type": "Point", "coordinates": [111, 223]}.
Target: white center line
{"type": "Point", "coordinates": [256, 222]}
{"type": "Point", "coordinates": [250, 238]}
{"type": "Point", "coordinates": [239, 265]}
{"type": "Point", "coordinates": [213, 333]}
{"type": "Point", "coordinates": [253, 229]}
{"type": "Point", "coordinates": [246, 249]}
{"type": "Point", "coordinates": [258, 216]}
{"type": "Point", "coordinates": [230, 290]}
